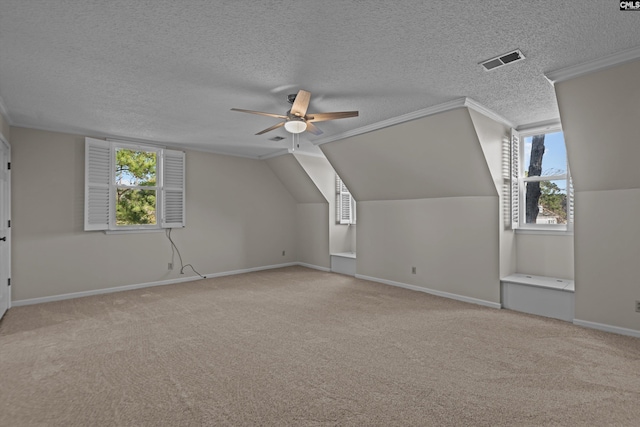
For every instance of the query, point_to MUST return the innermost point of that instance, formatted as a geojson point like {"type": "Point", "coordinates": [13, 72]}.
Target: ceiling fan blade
{"type": "Point", "coordinates": [276, 126]}
{"type": "Point", "coordinates": [300, 105]}
{"type": "Point", "coordinates": [313, 129]}
{"type": "Point", "coordinates": [277, 116]}
{"type": "Point", "coordinates": [323, 117]}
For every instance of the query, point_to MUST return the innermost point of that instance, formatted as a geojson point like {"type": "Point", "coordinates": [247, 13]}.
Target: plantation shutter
{"type": "Point", "coordinates": [570, 195]}
{"type": "Point", "coordinates": [98, 166]}
{"type": "Point", "coordinates": [515, 179]}
{"type": "Point", "coordinates": [344, 204]}
{"type": "Point", "coordinates": [173, 189]}
{"type": "Point", "coordinates": [506, 181]}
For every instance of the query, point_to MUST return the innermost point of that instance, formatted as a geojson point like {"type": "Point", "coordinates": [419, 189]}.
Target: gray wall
{"type": "Point", "coordinates": [238, 216]}
{"type": "Point", "coordinates": [600, 117]}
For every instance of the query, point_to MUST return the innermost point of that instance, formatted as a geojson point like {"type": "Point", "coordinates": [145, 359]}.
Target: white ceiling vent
{"type": "Point", "coordinates": [499, 61]}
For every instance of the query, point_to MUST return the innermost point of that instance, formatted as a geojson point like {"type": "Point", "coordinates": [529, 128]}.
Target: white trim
{"type": "Point", "coordinates": [5, 112]}
{"type": "Point", "coordinates": [607, 328]}
{"type": "Point", "coordinates": [81, 294]}
{"type": "Point", "coordinates": [425, 112]}
{"type": "Point", "coordinates": [547, 126]}
{"type": "Point", "coordinates": [315, 267]}
{"type": "Point", "coordinates": [474, 105]}
{"type": "Point", "coordinates": [135, 143]}
{"type": "Point", "coordinates": [278, 153]}
{"type": "Point", "coordinates": [543, 231]}
{"type": "Point", "coordinates": [432, 291]}
{"type": "Point", "coordinates": [172, 145]}
{"type": "Point", "coordinates": [608, 61]}
{"type": "Point", "coordinates": [419, 114]}
{"type": "Point", "coordinates": [72, 295]}
{"type": "Point", "coordinates": [555, 283]}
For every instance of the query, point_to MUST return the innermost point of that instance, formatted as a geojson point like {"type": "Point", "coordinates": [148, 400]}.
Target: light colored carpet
{"type": "Point", "coordinates": [296, 346]}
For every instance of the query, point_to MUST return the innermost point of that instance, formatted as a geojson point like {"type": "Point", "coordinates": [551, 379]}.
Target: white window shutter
{"type": "Point", "coordinates": [515, 179]}
{"type": "Point", "coordinates": [173, 190]}
{"type": "Point", "coordinates": [338, 200]}
{"type": "Point", "coordinates": [98, 168]}
{"type": "Point", "coordinates": [506, 181]}
{"type": "Point", "coordinates": [570, 208]}
{"type": "Point", "coordinates": [345, 204]}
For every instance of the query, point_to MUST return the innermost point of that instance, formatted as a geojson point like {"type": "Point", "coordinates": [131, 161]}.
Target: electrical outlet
{"type": "Point", "coordinates": [170, 266]}
{"type": "Point", "coordinates": [283, 253]}
{"type": "Point", "coordinates": [638, 306]}
{"type": "Point", "coordinates": [413, 270]}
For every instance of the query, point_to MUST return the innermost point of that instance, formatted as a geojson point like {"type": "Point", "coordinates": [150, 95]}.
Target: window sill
{"type": "Point", "coordinates": [545, 231]}
{"type": "Point", "coordinates": [135, 230]}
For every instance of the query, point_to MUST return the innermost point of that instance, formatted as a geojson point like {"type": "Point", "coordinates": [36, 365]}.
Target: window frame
{"type": "Point", "coordinates": [519, 180]}
{"type": "Point", "coordinates": [100, 186]}
{"type": "Point", "coordinates": [113, 225]}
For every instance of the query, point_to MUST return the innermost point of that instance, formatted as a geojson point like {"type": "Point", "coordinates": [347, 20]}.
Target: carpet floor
{"type": "Point", "coordinates": [301, 347]}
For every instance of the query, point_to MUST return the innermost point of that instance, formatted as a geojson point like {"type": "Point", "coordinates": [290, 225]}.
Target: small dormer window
{"type": "Point", "coordinates": [540, 189]}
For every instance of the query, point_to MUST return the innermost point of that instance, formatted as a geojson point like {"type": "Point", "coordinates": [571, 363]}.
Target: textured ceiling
{"type": "Point", "coordinates": [170, 70]}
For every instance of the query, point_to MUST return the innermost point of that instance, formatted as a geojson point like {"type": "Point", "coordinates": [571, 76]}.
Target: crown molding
{"type": "Point", "coordinates": [419, 114]}
{"type": "Point", "coordinates": [277, 153]}
{"type": "Point", "coordinates": [540, 126]}
{"type": "Point", "coordinates": [425, 112]}
{"type": "Point", "coordinates": [5, 112]}
{"type": "Point", "coordinates": [474, 105]}
{"type": "Point", "coordinates": [608, 61]}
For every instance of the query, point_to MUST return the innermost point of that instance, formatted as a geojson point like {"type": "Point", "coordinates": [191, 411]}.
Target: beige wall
{"type": "Point", "coordinates": [341, 237]}
{"type": "Point", "coordinates": [607, 243]}
{"type": "Point", "coordinates": [491, 135]}
{"type": "Point", "coordinates": [426, 198]}
{"type": "Point", "coordinates": [295, 179]}
{"type": "Point", "coordinates": [545, 255]}
{"type": "Point", "coordinates": [312, 211]}
{"type": "Point", "coordinates": [312, 237]}
{"type": "Point", "coordinates": [452, 242]}
{"type": "Point", "coordinates": [431, 157]}
{"type": "Point", "coordinates": [600, 117]}
{"type": "Point", "coordinates": [238, 216]}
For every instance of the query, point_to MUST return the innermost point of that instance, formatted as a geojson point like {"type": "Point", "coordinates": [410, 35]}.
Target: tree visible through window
{"type": "Point", "coordinates": [130, 186]}
{"type": "Point", "coordinates": [136, 187]}
{"type": "Point", "coordinates": [545, 184]}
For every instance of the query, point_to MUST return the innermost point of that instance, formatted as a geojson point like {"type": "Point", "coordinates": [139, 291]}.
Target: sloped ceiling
{"type": "Point", "coordinates": [169, 71]}
{"type": "Point", "coordinates": [600, 113]}
{"type": "Point", "coordinates": [436, 156]}
{"type": "Point", "coordinates": [295, 179]}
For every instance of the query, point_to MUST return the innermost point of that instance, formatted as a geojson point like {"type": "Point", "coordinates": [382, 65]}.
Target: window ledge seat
{"type": "Point", "coordinates": [344, 263]}
{"type": "Point", "coordinates": [540, 295]}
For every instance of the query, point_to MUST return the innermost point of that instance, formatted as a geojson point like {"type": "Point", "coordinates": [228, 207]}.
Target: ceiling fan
{"type": "Point", "coordinates": [296, 120]}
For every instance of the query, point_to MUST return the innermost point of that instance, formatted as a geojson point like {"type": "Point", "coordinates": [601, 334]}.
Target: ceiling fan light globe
{"type": "Point", "coordinates": [295, 126]}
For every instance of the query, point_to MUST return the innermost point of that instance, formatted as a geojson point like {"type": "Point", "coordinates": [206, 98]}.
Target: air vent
{"type": "Point", "coordinates": [276, 138]}
{"type": "Point", "coordinates": [499, 61]}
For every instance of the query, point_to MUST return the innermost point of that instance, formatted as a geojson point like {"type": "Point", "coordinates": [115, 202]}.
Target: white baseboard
{"type": "Point", "coordinates": [315, 267]}
{"type": "Point", "coordinates": [607, 328]}
{"type": "Point", "coordinates": [71, 295]}
{"type": "Point", "coordinates": [432, 292]}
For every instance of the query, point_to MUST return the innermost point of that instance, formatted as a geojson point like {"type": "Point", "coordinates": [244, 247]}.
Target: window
{"type": "Point", "coordinates": [132, 186]}
{"type": "Point", "coordinates": [345, 204]}
{"type": "Point", "coordinates": [540, 187]}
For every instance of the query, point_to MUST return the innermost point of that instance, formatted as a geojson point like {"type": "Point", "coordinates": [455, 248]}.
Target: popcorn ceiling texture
{"type": "Point", "coordinates": [169, 71]}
